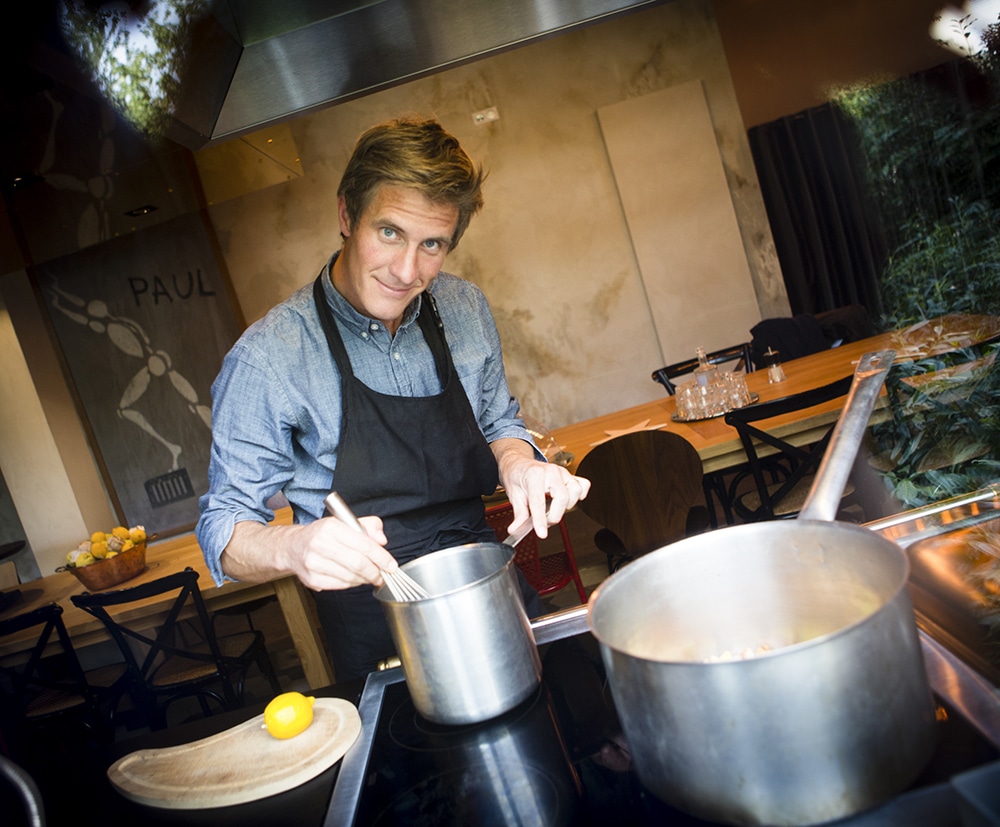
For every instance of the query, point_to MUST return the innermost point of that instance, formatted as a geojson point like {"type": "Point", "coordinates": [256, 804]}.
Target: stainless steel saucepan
{"type": "Point", "coordinates": [467, 651]}
{"type": "Point", "coordinates": [771, 673]}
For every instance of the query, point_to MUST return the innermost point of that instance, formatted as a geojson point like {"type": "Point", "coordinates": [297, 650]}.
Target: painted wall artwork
{"type": "Point", "coordinates": [143, 322]}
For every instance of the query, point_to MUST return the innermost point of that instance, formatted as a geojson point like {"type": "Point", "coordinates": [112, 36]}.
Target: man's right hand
{"type": "Point", "coordinates": [326, 554]}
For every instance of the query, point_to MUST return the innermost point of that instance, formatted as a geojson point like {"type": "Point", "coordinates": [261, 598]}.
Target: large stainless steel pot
{"type": "Point", "coordinates": [835, 718]}
{"type": "Point", "coordinates": [467, 651]}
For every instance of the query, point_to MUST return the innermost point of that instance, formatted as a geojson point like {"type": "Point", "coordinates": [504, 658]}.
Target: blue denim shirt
{"type": "Point", "coordinates": [276, 401]}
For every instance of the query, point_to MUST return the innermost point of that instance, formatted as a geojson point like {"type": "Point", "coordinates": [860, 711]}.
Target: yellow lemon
{"type": "Point", "coordinates": [288, 714]}
{"type": "Point", "coordinates": [99, 550]}
{"type": "Point", "coordinates": [98, 537]}
{"type": "Point", "coordinates": [79, 557]}
{"type": "Point", "coordinates": [120, 532]}
{"type": "Point", "coordinates": [137, 533]}
{"type": "Point", "coordinates": [84, 558]}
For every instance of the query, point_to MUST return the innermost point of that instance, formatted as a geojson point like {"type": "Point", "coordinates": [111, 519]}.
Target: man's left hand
{"type": "Point", "coordinates": [541, 491]}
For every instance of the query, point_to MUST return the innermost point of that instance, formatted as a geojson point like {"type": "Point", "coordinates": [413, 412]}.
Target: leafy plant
{"type": "Point", "coordinates": [951, 265]}
{"type": "Point", "coordinates": [933, 173]}
{"type": "Point", "coordinates": [943, 438]}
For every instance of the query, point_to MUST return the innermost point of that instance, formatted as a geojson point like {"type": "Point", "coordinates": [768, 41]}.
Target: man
{"type": "Point", "coordinates": [384, 381]}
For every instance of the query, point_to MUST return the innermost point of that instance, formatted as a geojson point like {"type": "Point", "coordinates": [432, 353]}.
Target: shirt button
{"type": "Point", "coordinates": [374, 327]}
{"type": "Point", "coordinates": [364, 334]}
{"type": "Point", "coordinates": [396, 355]}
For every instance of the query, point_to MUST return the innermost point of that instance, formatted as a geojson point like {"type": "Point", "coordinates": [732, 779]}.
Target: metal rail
{"type": "Point", "coordinates": [907, 527]}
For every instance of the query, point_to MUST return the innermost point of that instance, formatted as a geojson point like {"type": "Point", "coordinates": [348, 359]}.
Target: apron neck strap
{"type": "Point", "coordinates": [430, 325]}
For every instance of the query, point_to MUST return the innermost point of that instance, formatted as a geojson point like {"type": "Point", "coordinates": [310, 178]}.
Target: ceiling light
{"type": "Point", "coordinates": [145, 209]}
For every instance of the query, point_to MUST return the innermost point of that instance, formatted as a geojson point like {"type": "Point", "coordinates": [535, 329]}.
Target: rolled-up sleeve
{"type": "Point", "coordinates": [251, 457]}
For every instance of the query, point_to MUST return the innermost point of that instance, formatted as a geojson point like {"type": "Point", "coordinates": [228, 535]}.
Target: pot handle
{"type": "Point", "coordinates": [831, 477]}
{"type": "Point", "coordinates": [559, 624]}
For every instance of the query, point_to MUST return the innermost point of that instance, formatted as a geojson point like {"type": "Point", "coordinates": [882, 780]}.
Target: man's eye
{"type": "Point", "coordinates": [388, 232]}
{"type": "Point", "coordinates": [432, 245]}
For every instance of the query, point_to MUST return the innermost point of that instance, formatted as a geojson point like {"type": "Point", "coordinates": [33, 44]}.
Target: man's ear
{"type": "Point", "coordinates": [342, 217]}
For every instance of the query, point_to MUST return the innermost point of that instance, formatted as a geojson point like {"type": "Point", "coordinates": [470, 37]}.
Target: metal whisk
{"type": "Point", "coordinates": [401, 586]}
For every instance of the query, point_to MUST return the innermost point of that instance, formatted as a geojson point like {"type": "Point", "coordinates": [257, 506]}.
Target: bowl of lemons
{"type": "Point", "coordinates": [109, 558]}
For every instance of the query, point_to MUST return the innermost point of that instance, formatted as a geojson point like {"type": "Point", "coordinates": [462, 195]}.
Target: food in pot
{"type": "Point", "coordinates": [745, 654]}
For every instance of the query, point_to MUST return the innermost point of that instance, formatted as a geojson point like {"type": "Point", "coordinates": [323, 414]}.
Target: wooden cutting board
{"type": "Point", "coordinates": [241, 764]}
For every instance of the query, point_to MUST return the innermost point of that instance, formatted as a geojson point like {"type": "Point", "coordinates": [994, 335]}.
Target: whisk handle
{"type": "Point", "coordinates": [336, 507]}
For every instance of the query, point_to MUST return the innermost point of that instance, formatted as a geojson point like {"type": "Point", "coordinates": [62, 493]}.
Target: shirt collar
{"type": "Point", "coordinates": [354, 321]}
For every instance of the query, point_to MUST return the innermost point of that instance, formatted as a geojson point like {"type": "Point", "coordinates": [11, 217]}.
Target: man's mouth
{"type": "Point", "coordinates": [395, 292]}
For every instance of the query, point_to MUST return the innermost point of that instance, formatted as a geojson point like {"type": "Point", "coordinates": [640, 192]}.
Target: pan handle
{"type": "Point", "coordinates": [831, 477]}
{"type": "Point", "coordinates": [560, 624]}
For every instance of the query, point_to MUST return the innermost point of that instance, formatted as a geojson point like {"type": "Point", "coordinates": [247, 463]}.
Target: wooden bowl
{"type": "Point", "coordinates": [103, 574]}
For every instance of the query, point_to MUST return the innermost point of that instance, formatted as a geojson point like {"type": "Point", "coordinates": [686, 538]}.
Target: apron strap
{"type": "Point", "coordinates": [430, 325]}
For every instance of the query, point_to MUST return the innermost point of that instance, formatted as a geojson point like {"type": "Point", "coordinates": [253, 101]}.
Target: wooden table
{"type": "Point", "coordinates": [718, 444]}
{"type": "Point", "coordinates": [162, 558]}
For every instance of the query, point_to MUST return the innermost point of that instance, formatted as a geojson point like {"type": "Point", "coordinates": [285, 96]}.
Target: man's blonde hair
{"type": "Point", "coordinates": [420, 155]}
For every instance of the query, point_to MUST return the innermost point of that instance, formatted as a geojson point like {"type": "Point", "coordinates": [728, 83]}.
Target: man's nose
{"type": "Point", "coordinates": [405, 267]}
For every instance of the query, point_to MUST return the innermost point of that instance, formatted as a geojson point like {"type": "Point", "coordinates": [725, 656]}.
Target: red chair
{"type": "Point", "coordinates": [546, 573]}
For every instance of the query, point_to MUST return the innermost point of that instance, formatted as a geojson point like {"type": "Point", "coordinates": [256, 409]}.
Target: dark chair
{"type": "Point", "coordinates": [644, 492]}
{"type": "Point", "coordinates": [793, 337]}
{"type": "Point", "coordinates": [738, 354]}
{"type": "Point", "coordinates": [849, 323]}
{"type": "Point", "coordinates": [163, 667]}
{"type": "Point", "coordinates": [546, 573]}
{"type": "Point", "coordinates": [773, 500]}
{"type": "Point", "coordinates": [48, 685]}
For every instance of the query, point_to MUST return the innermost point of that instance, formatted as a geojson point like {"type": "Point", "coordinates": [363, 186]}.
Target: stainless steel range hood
{"type": "Point", "coordinates": [258, 62]}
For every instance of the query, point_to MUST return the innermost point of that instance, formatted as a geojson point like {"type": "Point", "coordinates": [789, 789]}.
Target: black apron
{"type": "Point", "coordinates": [421, 464]}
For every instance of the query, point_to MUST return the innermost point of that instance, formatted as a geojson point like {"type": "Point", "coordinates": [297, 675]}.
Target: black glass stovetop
{"type": "Point", "coordinates": [555, 760]}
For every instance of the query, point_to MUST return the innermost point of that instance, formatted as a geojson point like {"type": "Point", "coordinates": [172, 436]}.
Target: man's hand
{"type": "Point", "coordinates": [541, 491]}
{"type": "Point", "coordinates": [326, 554]}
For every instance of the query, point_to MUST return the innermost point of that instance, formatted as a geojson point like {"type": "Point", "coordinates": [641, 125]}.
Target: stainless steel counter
{"type": "Point", "coordinates": [960, 651]}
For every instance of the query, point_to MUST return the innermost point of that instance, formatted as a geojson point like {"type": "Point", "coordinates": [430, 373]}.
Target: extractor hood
{"type": "Point", "coordinates": [259, 62]}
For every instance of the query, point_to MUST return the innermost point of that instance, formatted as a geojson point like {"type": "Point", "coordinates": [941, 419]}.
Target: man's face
{"type": "Point", "coordinates": [394, 253]}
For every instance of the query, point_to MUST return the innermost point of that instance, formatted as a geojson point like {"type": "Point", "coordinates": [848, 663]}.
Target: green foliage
{"type": "Point", "coordinates": [137, 62]}
{"type": "Point", "coordinates": [933, 170]}
{"type": "Point", "coordinates": [943, 438]}
{"type": "Point", "coordinates": [951, 265]}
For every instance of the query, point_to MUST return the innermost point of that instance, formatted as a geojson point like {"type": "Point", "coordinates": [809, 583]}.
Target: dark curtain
{"type": "Point", "coordinates": [829, 240]}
